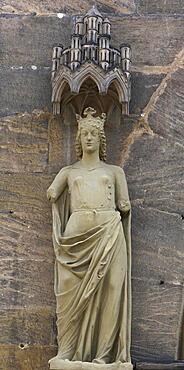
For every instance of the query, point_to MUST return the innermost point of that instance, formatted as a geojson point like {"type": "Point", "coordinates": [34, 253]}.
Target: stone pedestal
{"type": "Point", "coordinates": [59, 364]}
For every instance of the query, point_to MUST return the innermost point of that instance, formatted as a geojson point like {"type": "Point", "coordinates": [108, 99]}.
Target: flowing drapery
{"type": "Point", "coordinates": [92, 287]}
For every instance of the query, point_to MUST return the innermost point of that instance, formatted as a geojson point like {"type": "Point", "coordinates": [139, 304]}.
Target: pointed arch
{"type": "Point", "coordinates": [88, 71]}
{"type": "Point", "coordinates": [62, 79]}
{"type": "Point", "coordinates": [120, 85]}
{"type": "Point", "coordinates": [83, 79]}
{"type": "Point", "coordinates": [102, 79]}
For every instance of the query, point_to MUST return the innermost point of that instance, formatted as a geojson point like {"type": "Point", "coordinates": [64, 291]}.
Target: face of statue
{"type": "Point", "coordinates": [90, 139]}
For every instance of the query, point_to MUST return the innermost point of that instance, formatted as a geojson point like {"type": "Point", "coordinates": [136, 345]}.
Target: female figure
{"type": "Point", "coordinates": [91, 236]}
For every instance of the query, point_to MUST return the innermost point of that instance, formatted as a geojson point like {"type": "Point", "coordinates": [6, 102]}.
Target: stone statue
{"type": "Point", "coordinates": [91, 236]}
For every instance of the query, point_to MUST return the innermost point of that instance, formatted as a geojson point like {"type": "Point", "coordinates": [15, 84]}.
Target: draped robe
{"type": "Point", "coordinates": [93, 288]}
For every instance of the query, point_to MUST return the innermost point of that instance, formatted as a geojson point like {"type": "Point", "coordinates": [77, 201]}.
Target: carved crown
{"type": "Point", "coordinates": [90, 120]}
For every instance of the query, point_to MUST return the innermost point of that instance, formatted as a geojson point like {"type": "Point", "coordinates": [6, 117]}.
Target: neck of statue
{"type": "Point", "coordinates": [90, 159]}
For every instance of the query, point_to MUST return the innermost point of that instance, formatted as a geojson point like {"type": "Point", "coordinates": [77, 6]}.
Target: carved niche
{"type": "Point", "coordinates": [91, 72]}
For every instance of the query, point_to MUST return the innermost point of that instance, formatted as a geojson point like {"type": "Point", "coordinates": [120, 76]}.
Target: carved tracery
{"type": "Point", "coordinates": [91, 57]}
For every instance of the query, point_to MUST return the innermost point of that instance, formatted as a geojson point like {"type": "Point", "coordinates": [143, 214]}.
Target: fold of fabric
{"type": "Point", "coordinates": [93, 288]}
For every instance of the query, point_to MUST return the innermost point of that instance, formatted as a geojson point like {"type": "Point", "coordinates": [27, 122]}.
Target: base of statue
{"type": "Point", "coordinates": [59, 364]}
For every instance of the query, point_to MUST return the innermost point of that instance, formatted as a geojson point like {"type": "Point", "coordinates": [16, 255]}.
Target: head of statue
{"type": "Point", "coordinates": [90, 134]}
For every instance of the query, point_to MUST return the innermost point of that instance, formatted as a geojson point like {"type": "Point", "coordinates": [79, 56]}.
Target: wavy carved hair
{"type": "Point", "coordinates": [102, 147]}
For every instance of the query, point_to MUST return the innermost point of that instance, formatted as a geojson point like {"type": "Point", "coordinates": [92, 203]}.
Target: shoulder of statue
{"type": "Point", "coordinates": [117, 170]}
{"type": "Point", "coordinates": [65, 170]}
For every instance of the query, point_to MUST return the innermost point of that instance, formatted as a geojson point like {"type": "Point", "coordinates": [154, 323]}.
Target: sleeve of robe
{"type": "Point", "coordinates": [124, 207]}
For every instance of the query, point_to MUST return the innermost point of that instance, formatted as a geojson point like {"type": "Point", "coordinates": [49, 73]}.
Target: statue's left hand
{"type": "Point", "coordinates": [124, 206]}
{"type": "Point", "coordinates": [50, 195]}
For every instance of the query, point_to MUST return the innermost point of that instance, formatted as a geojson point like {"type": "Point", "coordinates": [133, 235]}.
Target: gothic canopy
{"type": "Point", "coordinates": [91, 56]}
